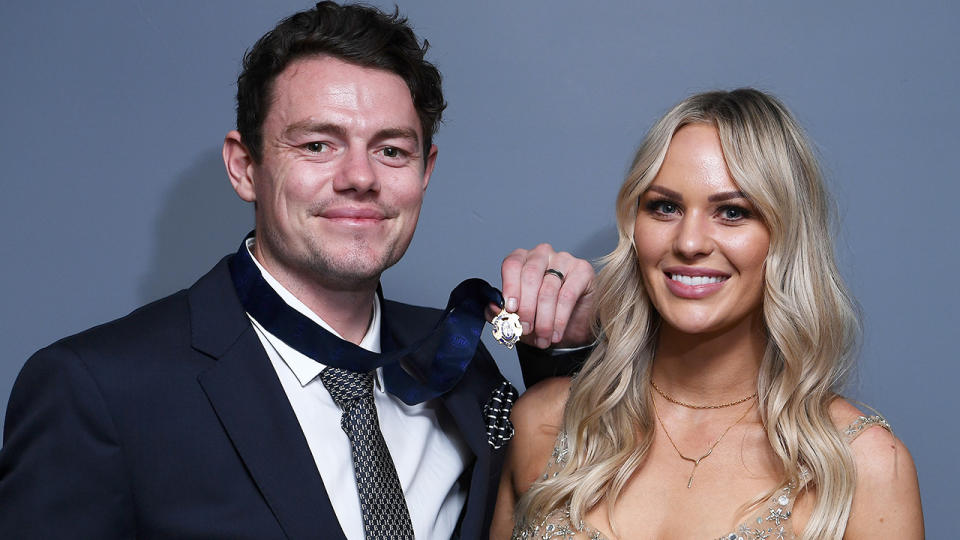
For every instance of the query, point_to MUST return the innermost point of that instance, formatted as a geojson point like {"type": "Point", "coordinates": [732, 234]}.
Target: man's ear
{"type": "Point", "coordinates": [428, 165]}
{"type": "Point", "coordinates": [239, 163]}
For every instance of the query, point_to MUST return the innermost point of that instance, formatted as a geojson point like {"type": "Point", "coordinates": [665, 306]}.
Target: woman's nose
{"type": "Point", "coordinates": [693, 236]}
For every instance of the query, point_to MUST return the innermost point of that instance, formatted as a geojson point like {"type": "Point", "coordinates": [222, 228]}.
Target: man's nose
{"type": "Point", "coordinates": [357, 173]}
{"type": "Point", "coordinates": [694, 238]}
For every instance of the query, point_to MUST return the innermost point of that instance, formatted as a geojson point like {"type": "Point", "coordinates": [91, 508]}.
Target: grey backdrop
{"type": "Point", "coordinates": [114, 192]}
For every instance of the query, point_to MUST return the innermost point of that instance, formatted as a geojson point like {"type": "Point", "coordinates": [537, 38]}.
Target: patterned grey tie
{"type": "Point", "coordinates": [385, 514]}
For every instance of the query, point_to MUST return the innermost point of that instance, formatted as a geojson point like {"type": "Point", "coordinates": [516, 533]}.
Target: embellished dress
{"type": "Point", "coordinates": [773, 523]}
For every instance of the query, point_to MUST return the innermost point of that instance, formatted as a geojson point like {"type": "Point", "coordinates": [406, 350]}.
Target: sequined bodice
{"type": "Point", "coordinates": [772, 523]}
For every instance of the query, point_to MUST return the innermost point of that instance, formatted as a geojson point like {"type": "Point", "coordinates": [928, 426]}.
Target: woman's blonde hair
{"type": "Point", "coordinates": [811, 322]}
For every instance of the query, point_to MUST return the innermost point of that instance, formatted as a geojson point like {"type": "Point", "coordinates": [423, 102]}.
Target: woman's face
{"type": "Point", "coordinates": [700, 245]}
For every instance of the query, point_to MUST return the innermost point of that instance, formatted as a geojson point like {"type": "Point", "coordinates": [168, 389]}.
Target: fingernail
{"type": "Point", "coordinates": [542, 343]}
{"type": "Point", "coordinates": [512, 305]}
{"type": "Point", "coordinates": [525, 326]}
{"type": "Point", "coordinates": [556, 337]}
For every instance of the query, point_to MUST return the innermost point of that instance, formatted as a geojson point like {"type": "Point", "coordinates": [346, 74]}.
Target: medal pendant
{"type": "Point", "coordinates": [506, 328]}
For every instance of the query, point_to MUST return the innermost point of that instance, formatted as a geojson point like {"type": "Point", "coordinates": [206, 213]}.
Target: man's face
{"type": "Point", "coordinates": [342, 176]}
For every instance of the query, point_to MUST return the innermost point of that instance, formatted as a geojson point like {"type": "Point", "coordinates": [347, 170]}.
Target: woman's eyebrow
{"type": "Point", "coordinates": [668, 192]}
{"type": "Point", "coordinates": [726, 196]}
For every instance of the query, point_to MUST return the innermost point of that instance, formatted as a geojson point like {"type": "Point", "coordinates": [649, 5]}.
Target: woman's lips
{"type": "Point", "coordinates": [694, 282]}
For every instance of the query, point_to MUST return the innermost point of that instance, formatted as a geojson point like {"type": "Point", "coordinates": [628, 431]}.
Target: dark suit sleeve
{"type": "Point", "coordinates": [539, 364]}
{"type": "Point", "coordinates": [61, 465]}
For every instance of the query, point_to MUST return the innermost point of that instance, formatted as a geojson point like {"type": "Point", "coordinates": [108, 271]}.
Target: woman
{"type": "Point", "coordinates": [708, 408]}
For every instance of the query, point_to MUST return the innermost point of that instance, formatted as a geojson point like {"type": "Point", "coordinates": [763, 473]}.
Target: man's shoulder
{"type": "Point", "coordinates": [142, 326]}
{"type": "Point", "coordinates": [131, 352]}
{"type": "Point", "coordinates": [154, 329]}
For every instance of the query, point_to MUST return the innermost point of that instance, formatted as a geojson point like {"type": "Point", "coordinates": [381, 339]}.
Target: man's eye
{"type": "Point", "coordinates": [392, 152]}
{"type": "Point", "coordinates": [315, 147]}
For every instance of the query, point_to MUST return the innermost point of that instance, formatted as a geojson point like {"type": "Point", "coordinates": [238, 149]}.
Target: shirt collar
{"type": "Point", "coordinates": [303, 367]}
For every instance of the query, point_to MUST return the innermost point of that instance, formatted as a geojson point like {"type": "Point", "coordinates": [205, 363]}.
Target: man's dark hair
{"type": "Point", "coordinates": [358, 34]}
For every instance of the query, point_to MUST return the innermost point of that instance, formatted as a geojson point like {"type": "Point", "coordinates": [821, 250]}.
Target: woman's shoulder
{"type": "Point", "coordinates": [537, 419]}
{"type": "Point", "coordinates": [854, 422]}
{"type": "Point", "coordinates": [544, 401]}
{"type": "Point", "coordinates": [888, 494]}
{"type": "Point", "coordinates": [872, 442]}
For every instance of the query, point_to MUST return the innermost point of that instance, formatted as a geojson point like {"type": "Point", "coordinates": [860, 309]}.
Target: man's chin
{"type": "Point", "coordinates": [352, 272]}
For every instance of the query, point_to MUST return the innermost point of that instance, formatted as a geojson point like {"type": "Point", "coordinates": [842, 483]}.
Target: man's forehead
{"type": "Point", "coordinates": [341, 82]}
{"type": "Point", "coordinates": [323, 84]}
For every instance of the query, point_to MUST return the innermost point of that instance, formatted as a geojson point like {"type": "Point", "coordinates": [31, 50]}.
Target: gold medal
{"type": "Point", "coordinates": [506, 328]}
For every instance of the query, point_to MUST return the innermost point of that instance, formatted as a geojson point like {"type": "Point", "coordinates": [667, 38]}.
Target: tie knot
{"type": "Point", "coordinates": [346, 386]}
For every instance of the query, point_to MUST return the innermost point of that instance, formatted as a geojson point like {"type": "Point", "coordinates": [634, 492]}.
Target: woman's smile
{"type": "Point", "coordinates": [687, 282]}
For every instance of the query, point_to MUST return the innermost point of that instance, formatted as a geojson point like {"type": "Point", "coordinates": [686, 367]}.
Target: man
{"type": "Point", "coordinates": [255, 404]}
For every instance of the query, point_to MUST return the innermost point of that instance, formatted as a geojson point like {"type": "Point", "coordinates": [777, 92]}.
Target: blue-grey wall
{"type": "Point", "coordinates": [114, 192]}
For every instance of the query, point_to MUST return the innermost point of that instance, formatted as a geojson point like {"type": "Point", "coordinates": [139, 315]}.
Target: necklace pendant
{"type": "Point", "coordinates": [693, 471]}
{"type": "Point", "coordinates": [506, 328]}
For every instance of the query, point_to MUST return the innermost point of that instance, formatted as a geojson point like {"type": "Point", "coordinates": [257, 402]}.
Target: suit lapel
{"type": "Point", "coordinates": [402, 324]}
{"type": "Point", "coordinates": [250, 402]}
{"type": "Point", "coordinates": [466, 411]}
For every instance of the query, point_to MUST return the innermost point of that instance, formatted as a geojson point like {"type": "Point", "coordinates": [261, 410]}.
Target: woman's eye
{"type": "Point", "coordinates": [663, 207]}
{"type": "Point", "coordinates": [733, 213]}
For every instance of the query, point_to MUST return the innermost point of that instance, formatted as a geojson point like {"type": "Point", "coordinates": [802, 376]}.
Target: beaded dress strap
{"type": "Point", "coordinates": [862, 423]}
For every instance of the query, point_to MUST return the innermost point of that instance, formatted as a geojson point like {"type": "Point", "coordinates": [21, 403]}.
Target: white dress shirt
{"type": "Point", "coordinates": [425, 445]}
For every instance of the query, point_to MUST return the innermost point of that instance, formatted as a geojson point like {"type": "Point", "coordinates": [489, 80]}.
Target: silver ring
{"type": "Point", "coordinates": [554, 272]}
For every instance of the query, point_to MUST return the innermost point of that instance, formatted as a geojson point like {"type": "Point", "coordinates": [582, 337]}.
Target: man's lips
{"type": "Point", "coordinates": [694, 282]}
{"type": "Point", "coordinates": [356, 215]}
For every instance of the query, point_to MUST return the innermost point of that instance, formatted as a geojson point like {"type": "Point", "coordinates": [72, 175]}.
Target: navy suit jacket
{"type": "Point", "coordinates": [171, 423]}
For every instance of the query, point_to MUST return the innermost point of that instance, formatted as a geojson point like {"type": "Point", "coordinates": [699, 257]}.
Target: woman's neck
{"type": "Point", "coordinates": [710, 368]}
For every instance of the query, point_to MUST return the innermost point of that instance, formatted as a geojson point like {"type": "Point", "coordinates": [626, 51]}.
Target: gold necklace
{"type": "Point", "coordinates": [691, 406]}
{"type": "Point", "coordinates": [709, 450]}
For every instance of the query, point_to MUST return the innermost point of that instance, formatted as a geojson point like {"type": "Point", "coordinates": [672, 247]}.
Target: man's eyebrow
{"type": "Point", "coordinates": [668, 192]}
{"type": "Point", "coordinates": [309, 126]}
{"type": "Point", "coordinates": [726, 196]}
{"type": "Point", "coordinates": [399, 133]}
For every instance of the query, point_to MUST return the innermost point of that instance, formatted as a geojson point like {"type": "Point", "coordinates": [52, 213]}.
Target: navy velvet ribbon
{"type": "Point", "coordinates": [427, 368]}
